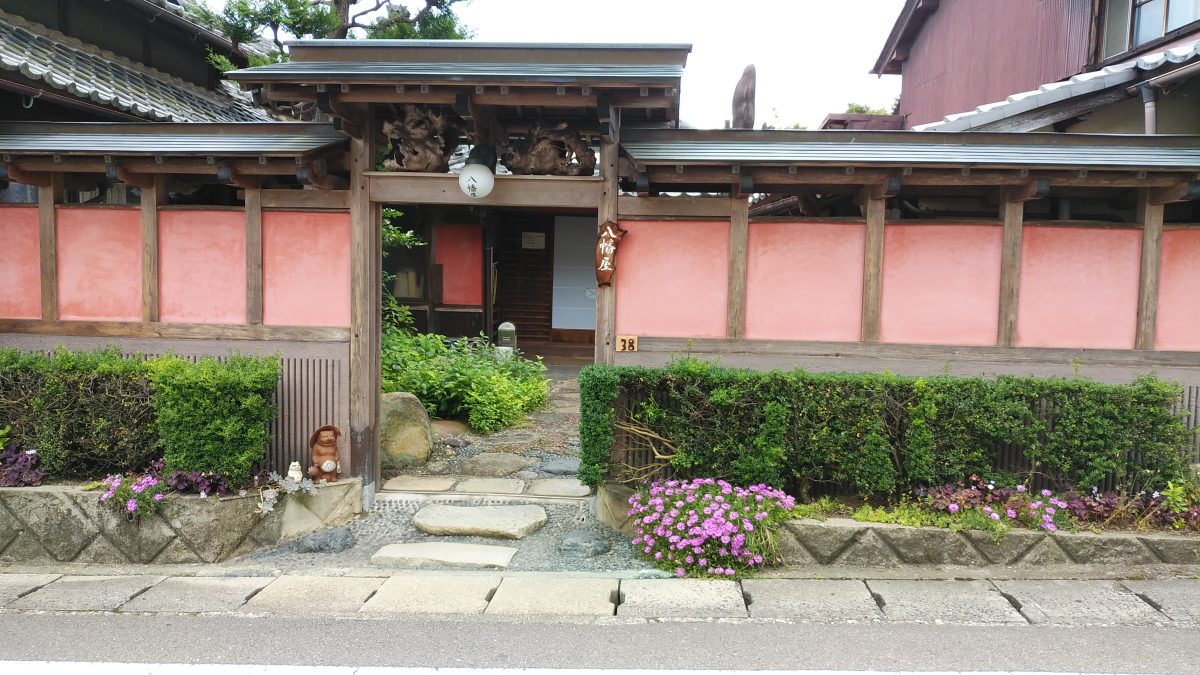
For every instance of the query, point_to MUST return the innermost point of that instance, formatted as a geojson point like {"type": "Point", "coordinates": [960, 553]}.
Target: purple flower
{"type": "Point", "coordinates": [158, 497]}
{"type": "Point", "coordinates": [995, 516]}
{"type": "Point", "coordinates": [679, 572]}
{"type": "Point", "coordinates": [953, 508]}
{"type": "Point", "coordinates": [1045, 493]}
{"type": "Point", "coordinates": [131, 505]}
{"type": "Point", "coordinates": [1012, 513]}
{"type": "Point", "coordinates": [1020, 488]}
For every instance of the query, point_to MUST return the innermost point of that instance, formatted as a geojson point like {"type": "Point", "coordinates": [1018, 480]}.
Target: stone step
{"type": "Point", "coordinates": [422, 555]}
{"type": "Point", "coordinates": [569, 488]}
{"type": "Point", "coordinates": [497, 522]}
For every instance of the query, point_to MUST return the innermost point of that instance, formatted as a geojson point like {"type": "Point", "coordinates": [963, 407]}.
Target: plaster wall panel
{"type": "Point", "coordinates": [804, 281]}
{"type": "Point", "coordinates": [672, 278]}
{"type": "Point", "coordinates": [1178, 283]}
{"type": "Point", "coordinates": [99, 263]}
{"type": "Point", "coordinates": [459, 250]}
{"type": "Point", "coordinates": [20, 269]}
{"type": "Point", "coordinates": [202, 266]}
{"type": "Point", "coordinates": [941, 284]}
{"type": "Point", "coordinates": [1079, 287]}
{"type": "Point", "coordinates": [306, 268]}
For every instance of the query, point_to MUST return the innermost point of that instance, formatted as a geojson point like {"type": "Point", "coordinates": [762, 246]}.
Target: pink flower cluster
{"type": "Point", "coordinates": [705, 525]}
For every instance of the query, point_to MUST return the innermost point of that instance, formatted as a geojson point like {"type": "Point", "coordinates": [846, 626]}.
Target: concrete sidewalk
{"type": "Point", "coordinates": [1167, 603]}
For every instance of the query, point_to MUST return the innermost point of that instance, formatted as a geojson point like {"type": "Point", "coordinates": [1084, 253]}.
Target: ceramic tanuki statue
{"type": "Point", "coordinates": [326, 461]}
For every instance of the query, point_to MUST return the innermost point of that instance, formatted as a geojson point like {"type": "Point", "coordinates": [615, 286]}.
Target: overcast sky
{"type": "Point", "coordinates": [812, 56]}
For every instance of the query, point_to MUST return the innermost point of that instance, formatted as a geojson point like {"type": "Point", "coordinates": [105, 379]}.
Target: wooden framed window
{"type": "Point", "coordinates": [1131, 23]}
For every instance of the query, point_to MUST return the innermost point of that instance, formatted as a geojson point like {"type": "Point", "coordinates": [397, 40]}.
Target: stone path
{"type": "Point", "coordinates": [1165, 603]}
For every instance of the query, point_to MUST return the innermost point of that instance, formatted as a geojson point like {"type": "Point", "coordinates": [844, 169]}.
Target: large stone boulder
{"type": "Point", "coordinates": [404, 435]}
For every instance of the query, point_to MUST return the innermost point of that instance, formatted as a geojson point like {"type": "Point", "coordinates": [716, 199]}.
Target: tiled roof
{"type": "Point", "coordinates": [90, 73]}
{"type": "Point", "coordinates": [1126, 72]}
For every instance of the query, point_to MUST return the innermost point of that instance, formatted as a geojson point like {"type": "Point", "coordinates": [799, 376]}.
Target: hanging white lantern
{"type": "Point", "coordinates": [476, 180]}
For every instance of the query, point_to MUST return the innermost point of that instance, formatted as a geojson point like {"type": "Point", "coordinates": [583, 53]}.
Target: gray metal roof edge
{"type": "Point", "coordinates": [314, 129]}
{"type": "Point", "coordinates": [472, 44]}
{"type": "Point", "coordinates": [965, 138]}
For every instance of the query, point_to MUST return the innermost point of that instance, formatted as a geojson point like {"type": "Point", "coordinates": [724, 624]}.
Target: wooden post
{"type": "Point", "coordinates": [1150, 215]}
{"type": "Point", "coordinates": [365, 285]}
{"type": "Point", "coordinates": [606, 296]}
{"type": "Point", "coordinates": [1013, 213]}
{"type": "Point", "coordinates": [48, 245]}
{"type": "Point", "coordinates": [254, 257]}
{"type": "Point", "coordinates": [874, 200]}
{"type": "Point", "coordinates": [739, 234]}
{"type": "Point", "coordinates": [153, 195]}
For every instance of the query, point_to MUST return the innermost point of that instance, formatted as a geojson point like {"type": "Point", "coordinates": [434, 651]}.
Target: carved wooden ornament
{"type": "Point", "coordinates": [606, 252]}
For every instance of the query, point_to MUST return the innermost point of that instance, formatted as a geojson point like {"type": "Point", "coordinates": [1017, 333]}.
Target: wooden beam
{"type": "Point", "coordinates": [117, 172]}
{"type": "Point", "coordinates": [739, 234]}
{"type": "Point", "coordinates": [199, 331]}
{"type": "Point", "coordinates": [48, 245]}
{"type": "Point", "coordinates": [1013, 213]}
{"type": "Point", "coordinates": [950, 176]}
{"type": "Point", "coordinates": [254, 257]}
{"type": "Point", "coordinates": [231, 175]}
{"type": "Point", "coordinates": [12, 173]}
{"type": "Point", "coordinates": [874, 207]}
{"type": "Point", "coordinates": [269, 166]}
{"type": "Point", "coordinates": [153, 196]}
{"type": "Point", "coordinates": [365, 284]}
{"type": "Point", "coordinates": [606, 211]}
{"type": "Point", "coordinates": [306, 199]}
{"type": "Point", "coordinates": [1183, 192]}
{"type": "Point", "coordinates": [313, 174]}
{"type": "Point", "coordinates": [673, 207]}
{"type": "Point", "coordinates": [1034, 189]}
{"type": "Point", "coordinates": [529, 191]}
{"type": "Point", "coordinates": [1150, 215]}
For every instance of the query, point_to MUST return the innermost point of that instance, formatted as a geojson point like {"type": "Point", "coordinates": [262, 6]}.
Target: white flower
{"type": "Point", "coordinates": [31, 451]}
{"type": "Point", "coordinates": [203, 494]}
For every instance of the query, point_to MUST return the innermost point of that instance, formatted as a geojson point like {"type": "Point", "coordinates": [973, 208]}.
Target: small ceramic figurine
{"type": "Point", "coordinates": [326, 461]}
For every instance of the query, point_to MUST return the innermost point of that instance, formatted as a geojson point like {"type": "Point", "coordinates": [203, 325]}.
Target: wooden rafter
{"type": "Point", "coordinates": [12, 173]}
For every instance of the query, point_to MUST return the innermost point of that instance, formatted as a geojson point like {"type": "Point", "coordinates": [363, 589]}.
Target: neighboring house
{"type": "Point", "coordinates": [1118, 66]}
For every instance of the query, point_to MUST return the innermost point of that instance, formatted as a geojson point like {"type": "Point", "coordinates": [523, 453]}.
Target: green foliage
{"type": "Point", "coordinates": [463, 379]}
{"type": "Point", "coordinates": [918, 515]}
{"type": "Point", "coordinates": [213, 415]}
{"type": "Point", "coordinates": [86, 414]}
{"type": "Point", "coordinates": [440, 24]}
{"type": "Point", "coordinates": [880, 434]}
{"type": "Point", "coordinates": [863, 109]}
{"type": "Point", "coordinates": [394, 235]}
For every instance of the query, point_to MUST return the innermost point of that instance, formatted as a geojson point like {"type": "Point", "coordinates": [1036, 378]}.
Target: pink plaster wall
{"type": "Point", "coordinates": [20, 268]}
{"type": "Point", "coordinates": [1178, 288]}
{"type": "Point", "coordinates": [99, 264]}
{"type": "Point", "coordinates": [202, 266]}
{"type": "Point", "coordinates": [804, 281]}
{"type": "Point", "coordinates": [672, 279]}
{"type": "Point", "coordinates": [306, 268]}
{"type": "Point", "coordinates": [459, 250]}
{"type": "Point", "coordinates": [941, 284]}
{"type": "Point", "coordinates": [1078, 287]}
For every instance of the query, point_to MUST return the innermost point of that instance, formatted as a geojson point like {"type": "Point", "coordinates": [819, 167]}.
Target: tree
{"type": "Point", "coordinates": [863, 109]}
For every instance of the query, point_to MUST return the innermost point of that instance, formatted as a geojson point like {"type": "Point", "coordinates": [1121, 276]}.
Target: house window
{"type": "Point", "coordinates": [1131, 23]}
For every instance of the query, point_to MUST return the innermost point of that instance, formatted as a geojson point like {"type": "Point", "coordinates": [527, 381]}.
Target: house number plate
{"type": "Point", "coordinates": [627, 343]}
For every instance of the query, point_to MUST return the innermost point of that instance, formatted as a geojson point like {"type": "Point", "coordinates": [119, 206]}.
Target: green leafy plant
{"type": "Point", "coordinates": [132, 495]}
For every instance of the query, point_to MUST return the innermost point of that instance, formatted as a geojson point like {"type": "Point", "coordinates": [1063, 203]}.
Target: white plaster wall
{"type": "Point", "coordinates": [574, 300]}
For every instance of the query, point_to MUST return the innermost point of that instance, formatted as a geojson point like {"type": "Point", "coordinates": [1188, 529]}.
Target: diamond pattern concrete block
{"type": "Point", "coordinates": [326, 499]}
{"type": "Point", "coordinates": [433, 594]}
{"type": "Point", "coordinates": [268, 529]}
{"type": "Point", "coordinates": [699, 598]}
{"type": "Point", "coordinates": [212, 527]}
{"type": "Point", "coordinates": [792, 551]}
{"type": "Point", "coordinates": [1110, 548]}
{"type": "Point", "coordinates": [1080, 603]}
{"type": "Point", "coordinates": [102, 552]}
{"type": "Point", "coordinates": [140, 540]}
{"type": "Point", "coordinates": [10, 527]}
{"type": "Point", "coordinates": [13, 586]}
{"type": "Point", "coordinates": [501, 522]}
{"type": "Point", "coordinates": [929, 546]}
{"type": "Point", "coordinates": [611, 506]}
{"type": "Point", "coordinates": [825, 540]}
{"type": "Point", "coordinates": [197, 594]}
{"type": "Point", "coordinates": [556, 596]}
{"type": "Point", "coordinates": [176, 553]}
{"type": "Point", "coordinates": [420, 484]}
{"type": "Point", "coordinates": [298, 520]}
{"type": "Point", "coordinates": [559, 487]}
{"type": "Point", "coordinates": [52, 517]}
{"type": "Point", "coordinates": [1008, 549]}
{"type": "Point", "coordinates": [25, 549]}
{"type": "Point", "coordinates": [1045, 552]}
{"type": "Point", "coordinates": [85, 593]}
{"type": "Point", "coordinates": [869, 550]}
{"type": "Point", "coordinates": [1177, 598]}
{"type": "Point", "coordinates": [972, 602]}
{"type": "Point", "coordinates": [497, 486]}
{"type": "Point", "coordinates": [436, 554]}
{"type": "Point", "coordinates": [1174, 550]}
{"type": "Point", "coordinates": [302, 595]}
{"type": "Point", "coordinates": [815, 600]}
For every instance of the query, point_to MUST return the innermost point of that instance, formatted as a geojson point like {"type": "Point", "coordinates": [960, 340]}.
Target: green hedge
{"type": "Point", "coordinates": [880, 434]}
{"type": "Point", "coordinates": [95, 413]}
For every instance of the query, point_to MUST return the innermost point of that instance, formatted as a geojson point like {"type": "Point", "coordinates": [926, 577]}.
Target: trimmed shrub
{"type": "Point", "coordinates": [213, 415]}
{"type": "Point", "coordinates": [86, 414]}
{"type": "Point", "coordinates": [879, 434]}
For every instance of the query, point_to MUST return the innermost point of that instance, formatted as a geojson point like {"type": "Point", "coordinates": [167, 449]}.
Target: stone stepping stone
{"type": "Point", "coordinates": [562, 466]}
{"type": "Point", "coordinates": [447, 428]}
{"type": "Point", "coordinates": [558, 487]}
{"type": "Point", "coordinates": [498, 486]}
{"type": "Point", "coordinates": [423, 555]}
{"type": "Point", "coordinates": [495, 464]}
{"type": "Point", "coordinates": [499, 522]}
{"type": "Point", "coordinates": [420, 483]}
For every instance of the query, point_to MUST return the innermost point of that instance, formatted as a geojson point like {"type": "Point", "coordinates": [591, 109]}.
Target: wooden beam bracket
{"type": "Point", "coordinates": [1033, 190]}
{"type": "Point", "coordinates": [117, 173]}
{"type": "Point", "coordinates": [1183, 192]}
{"type": "Point", "coordinates": [11, 173]}
{"type": "Point", "coordinates": [231, 175]}
{"type": "Point", "coordinates": [314, 174]}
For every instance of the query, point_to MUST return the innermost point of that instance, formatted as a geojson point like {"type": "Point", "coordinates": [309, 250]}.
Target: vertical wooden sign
{"type": "Point", "coordinates": [606, 252]}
